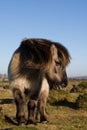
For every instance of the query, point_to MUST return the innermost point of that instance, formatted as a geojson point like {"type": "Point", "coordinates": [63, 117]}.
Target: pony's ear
{"type": "Point", "coordinates": [54, 51]}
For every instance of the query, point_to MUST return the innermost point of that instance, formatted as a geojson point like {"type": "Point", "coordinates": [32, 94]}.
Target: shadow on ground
{"type": "Point", "coordinates": [11, 121]}
{"type": "Point", "coordinates": [6, 101]}
{"type": "Point", "coordinates": [66, 104]}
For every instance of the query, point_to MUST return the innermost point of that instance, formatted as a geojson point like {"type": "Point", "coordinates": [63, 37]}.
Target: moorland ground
{"type": "Point", "coordinates": [62, 109]}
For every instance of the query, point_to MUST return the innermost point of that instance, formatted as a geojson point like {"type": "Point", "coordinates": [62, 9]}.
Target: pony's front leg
{"type": "Point", "coordinates": [31, 112]}
{"type": "Point", "coordinates": [20, 104]}
{"type": "Point", "coordinates": [42, 110]}
{"type": "Point", "coordinates": [43, 100]}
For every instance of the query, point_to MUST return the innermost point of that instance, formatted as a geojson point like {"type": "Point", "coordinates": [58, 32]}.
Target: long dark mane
{"type": "Point", "coordinates": [36, 53]}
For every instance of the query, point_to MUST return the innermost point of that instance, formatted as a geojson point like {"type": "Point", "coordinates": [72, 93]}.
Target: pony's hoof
{"type": "Point", "coordinates": [44, 122]}
{"type": "Point", "coordinates": [31, 122]}
{"type": "Point", "coordinates": [21, 120]}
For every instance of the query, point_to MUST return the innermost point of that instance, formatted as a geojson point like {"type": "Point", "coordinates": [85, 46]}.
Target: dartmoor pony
{"type": "Point", "coordinates": [35, 67]}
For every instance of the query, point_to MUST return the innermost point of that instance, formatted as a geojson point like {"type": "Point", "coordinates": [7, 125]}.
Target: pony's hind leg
{"type": "Point", "coordinates": [20, 105]}
{"type": "Point", "coordinates": [31, 111]}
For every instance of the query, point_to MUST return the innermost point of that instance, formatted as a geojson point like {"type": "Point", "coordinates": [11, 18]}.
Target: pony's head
{"type": "Point", "coordinates": [56, 74]}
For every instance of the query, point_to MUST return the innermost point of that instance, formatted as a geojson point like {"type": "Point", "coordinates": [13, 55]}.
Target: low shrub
{"type": "Point", "coordinates": [6, 86]}
{"type": "Point", "coordinates": [81, 101]}
{"type": "Point", "coordinates": [56, 96]}
{"type": "Point", "coordinates": [81, 87]}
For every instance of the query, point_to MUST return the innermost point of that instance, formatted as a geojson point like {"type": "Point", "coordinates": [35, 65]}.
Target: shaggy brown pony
{"type": "Point", "coordinates": [36, 66]}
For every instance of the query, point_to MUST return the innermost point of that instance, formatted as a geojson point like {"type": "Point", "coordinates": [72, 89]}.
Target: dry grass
{"type": "Point", "coordinates": [62, 113]}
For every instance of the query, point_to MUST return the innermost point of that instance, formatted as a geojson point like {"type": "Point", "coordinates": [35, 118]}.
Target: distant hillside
{"type": "Point", "coordinates": [79, 77]}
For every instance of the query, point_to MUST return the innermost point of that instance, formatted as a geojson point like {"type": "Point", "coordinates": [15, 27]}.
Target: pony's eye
{"type": "Point", "coordinates": [57, 63]}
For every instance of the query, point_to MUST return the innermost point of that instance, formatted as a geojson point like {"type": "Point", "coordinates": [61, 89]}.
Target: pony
{"type": "Point", "coordinates": [36, 66]}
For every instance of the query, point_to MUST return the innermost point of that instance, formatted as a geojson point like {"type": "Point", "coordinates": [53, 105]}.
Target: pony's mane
{"type": "Point", "coordinates": [36, 52]}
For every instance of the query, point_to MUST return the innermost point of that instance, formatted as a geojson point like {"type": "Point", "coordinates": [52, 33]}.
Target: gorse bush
{"type": "Point", "coordinates": [6, 86]}
{"type": "Point", "coordinates": [81, 87]}
{"type": "Point", "coordinates": [56, 96]}
{"type": "Point", "coordinates": [81, 101]}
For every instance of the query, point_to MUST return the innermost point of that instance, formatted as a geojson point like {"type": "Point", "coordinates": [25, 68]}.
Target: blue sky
{"type": "Point", "coordinates": [63, 21]}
